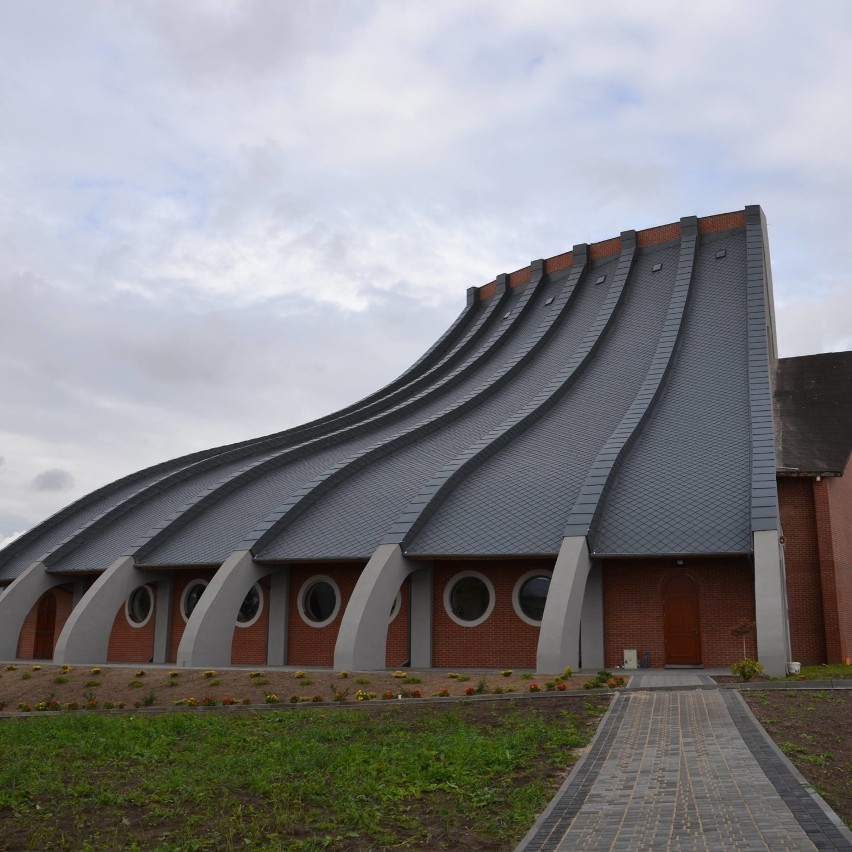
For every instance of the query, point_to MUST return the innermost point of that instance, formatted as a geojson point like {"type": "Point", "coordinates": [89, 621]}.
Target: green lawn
{"type": "Point", "coordinates": [310, 779]}
{"type": "Point", "coordinates": [826, 671]}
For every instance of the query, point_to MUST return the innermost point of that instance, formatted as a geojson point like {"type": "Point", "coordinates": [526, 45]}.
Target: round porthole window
{"type": "Point", "coordinates": [139, 606]}
{"type": "Point", "coordinates": [530, 595]}
{"type": "Point", "coordinates": [190, 597]}
{"type": "Point", "coordinates": [251, 607]}
{"type": "Point", "coordinates": [469, 598]}
{"type": "Point", "coordinates": [319, 601]}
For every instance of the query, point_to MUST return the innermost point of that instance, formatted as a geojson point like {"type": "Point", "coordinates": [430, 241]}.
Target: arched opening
{"type": "Point", "coordinates": [682, 626]}
{"type": "Point", "coordinates": [45, 627]}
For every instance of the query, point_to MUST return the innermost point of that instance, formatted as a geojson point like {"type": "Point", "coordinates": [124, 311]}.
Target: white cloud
{"type": "Point", "coordinates": [221, 218]}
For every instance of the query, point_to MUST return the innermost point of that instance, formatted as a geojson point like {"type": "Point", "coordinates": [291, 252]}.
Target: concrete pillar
{"type": "Point", "coordinates": [363, 637]}
{"type": "Point", "coordinates": [559, 637]}
{"type": "Point", "coordinates": [85, 637]}
{"type": "Point", "coordinates": [421, 617]}
{"type": "Point", "coordinates": [279, 607]}
{"type": "Point", "coordinates": [770, 603]}
{"type": "Point", "coordinates": [163, 619]}
{"type": "Point", "coordinates": [209, 633]}
{"type": "Point", "coordinates": [17, 601]}
{"type": "Point", "coordinates": [591, 621]}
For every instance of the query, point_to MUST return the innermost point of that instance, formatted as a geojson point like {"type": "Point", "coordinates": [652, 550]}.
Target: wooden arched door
{"type": "Point", "coordinates": [682, 622]}
{"type": "Point", "coordinates": [45, 627]}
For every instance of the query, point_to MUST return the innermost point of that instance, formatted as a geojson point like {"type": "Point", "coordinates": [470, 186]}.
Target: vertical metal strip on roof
{"type": "Point", "coordinates": [430, 497]}
{"type": "Point", "coordinates": [764, 490]}
{"type": "Point", "coordinates": [592, 497]}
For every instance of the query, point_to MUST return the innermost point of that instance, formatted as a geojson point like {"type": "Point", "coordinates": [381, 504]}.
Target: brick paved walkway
{"type": "Point", "coordinates": [671, 770]}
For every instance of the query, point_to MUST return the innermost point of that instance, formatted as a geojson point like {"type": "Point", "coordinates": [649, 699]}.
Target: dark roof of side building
{"type": "Point", "coordinates": [813, 404]}
{"type": "Point", "coordinates": [618, 391]}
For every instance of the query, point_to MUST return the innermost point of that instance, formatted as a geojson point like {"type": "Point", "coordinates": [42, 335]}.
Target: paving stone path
{"type": "Point", "coordinates": [684, 769]}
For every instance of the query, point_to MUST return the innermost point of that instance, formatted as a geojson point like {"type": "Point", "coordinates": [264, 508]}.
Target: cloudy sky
{"type": "Point", "coordinates": [219, 219]}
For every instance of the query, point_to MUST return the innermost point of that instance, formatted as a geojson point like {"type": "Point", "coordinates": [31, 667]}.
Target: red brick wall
{"type": "Point", "coordinates": [633, 607]}
{"type": "Point", "coordinates": [398, 651]}
{"type": "Point", "coordinates": [503, 640]}
{"type": "Point", "coordinates": [26, 640]}
{"type": "Point", "coordinates": [840, 505]}
{"type": "Point", "coordinates": [248, 646]}
{"type": "Point", "coordinates": [802, 566]}
{"type": "Point", "coordinates": [129, 644]}
{"type": "Point", "coordinates": [314, 646]}
{"type": "Point", "coordinates": [176, 624]}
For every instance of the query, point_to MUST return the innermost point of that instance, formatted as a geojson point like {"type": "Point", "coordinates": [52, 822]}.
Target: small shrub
{"type": "Point", "coordinates": [411, 679]}
{"type": "Point", "coordinates": [482, 686]}
{"type": "Point", "coordinates": [171, 683]}
{"type": "Point", "coordinates": [91, 683]}
{"type": "Point", "coordinates": [462, 678]}
{"type": "Point", "coordinates": [362, 681]}
{"type": "Point", "coordinates": [399, 674]}
{"type": "Point", "coordinates": [387, 695]}
{"type": "Point", "coordinates": [604, 675]}
{"type": "Point", "coordinates": [208, 701]}
{"type": "Point", "coordinates": [616, 682]}
{"type": "Point", "coordinates": [41, 706]}
{"type": "Point", "coordinates": [568, 671]}
{"type": "Point", "coordinates": [534, 687]}
{"type": "Point", "coordinates": [592, 684]}
{"type": "Point", "coordinates": [260, 681]}
{"type": "Point", "coordinates": [470, 691]}
{"type": "Point", "coordinates": [338, 694]}
{"type": "Point", "coordinates": [317, 698]}
{"type": "Point", "coordinates": [92, 705]}
{"type": "Point", "coordinates": [247, 701]}
{"type": "Point", "coordinates": [208, 674]}
{"type": "Point", "coordinates": [65, 668]}
{"type": "Point", "coordinates": [562, 686]}
{"type": "Point", "coordinates": [136, 683]}
{"type": "Point", "coordinates": [174, 674]}
{"type": "Point", "coordinates": [294, 699]}
{"type": "Point", "coordinates": [11, 667]}
{"type": "Point", "coordinates": [271, 698]}
{"type": "Point", "coordinates": [214, 682]}
{"type": "Point", "coordinates": [442, 693]}
{"type": "Point", "coordinates": [747, 669]}
{"type": "Point", "coordinates": [149, 699]}
{"type": "Point", "coordinates": [24, 707]}
{"type": "Point", "coordinates": [298, 674]}
{"type": "Point", "coordinates": [550, 685]}
{"type": "Point", "coordinates": [506, 673]}
{"type": "Point", "coordinates": [525, 676]}
{"type": "Point", "coordinates": [60, 679]}
{"type": "Point", "coordinates": [227, 701]}
{"type": "Point", "coordinates": [71, 705]}
{"type": "Point", "coordinates": [108, 705]}
{"type": "Point", "coordinates": [35, 668]}
{"type": "Point", "coordinates": [192, 702]}
{"type": "Point", "coordinates": [343, 674]}
{"type": "Point", "coordinates": [305, 681]}
{"type": "Point", "coordinates": [498, 690]}
{"type": "Point", "coordinates": [511, 689]}
{"type": "Point", "coordinates": [411, 693]}
{"type": "Point", "coordinates": [140, 673]}
{"type": "Point", "coordinates": [26, 675]}
{"type": "Point", "coordinates": [95, 671]}
{"type": "Point", "coordinates": [255, 674]}
{"type": "Point", "coordinates": [361, 695]}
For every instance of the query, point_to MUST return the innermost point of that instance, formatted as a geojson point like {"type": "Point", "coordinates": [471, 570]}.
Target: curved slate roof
{"type": "Point", "coordinates": [618, 391]}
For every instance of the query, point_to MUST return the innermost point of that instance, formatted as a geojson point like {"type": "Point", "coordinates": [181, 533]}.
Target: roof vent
{"type": "Point", "coordinates": [507, 315]}
{"type": "Point", "coordinates": [656, 267]}
{"type": "Point", "coordinates": [721, 253]}
{"type": "Point", "coordinates": [601, 279]}
{"type": "Point", "coordinates": [548, 301]}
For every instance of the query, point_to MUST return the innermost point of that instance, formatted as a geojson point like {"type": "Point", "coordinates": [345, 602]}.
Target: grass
{"type": "Point", "coordinates": [826, 671]}
{"type": "Point", "coordinates": [439, 777]}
